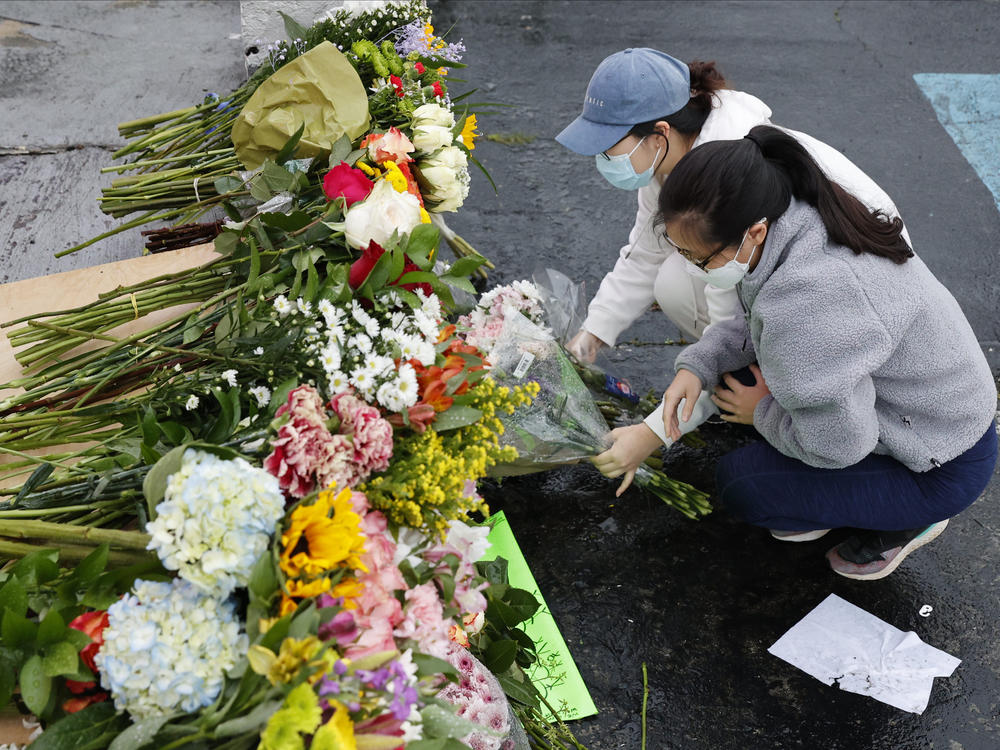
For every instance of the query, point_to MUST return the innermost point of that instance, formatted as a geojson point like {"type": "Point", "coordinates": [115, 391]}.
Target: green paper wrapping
{"type": "Point", "coordinates": [320, 89]}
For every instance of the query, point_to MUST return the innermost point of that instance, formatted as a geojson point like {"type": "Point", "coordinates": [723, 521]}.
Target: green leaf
{"type": "Point", "coordinates": [37, 478]}
{"type": "Point", "coordinates": [78, 638]}
{"type": "Point", "coordinates": [286, 222]}
{"type": "Point", "coordinates": [444, 743]}
{"type": "Point", "coordinates": [302, 260]}
{"type": "Point", "coordinates": [36, 686]}
{"type": "Point", "coordinates": [17, 631]}
{"type": "Point", "coordinates": [263, 578]}
{"type": "Point", "coordinates": [38, 567]}
{"type": "Point", "coordinates": [175, 432]}
{"type": "Point", "coordinates": [459, 282]}
{"type": "Point", "coordinates": [93, 728]}
{"type": "Point", "coordinates": [150, 429]}
{"type": "Point", "coordinates": [59, 659]}
{"type": "Point", "coordinates": [276, 177]}
{"type": "Point", "coordinates": [228, 417]}
{"type": "Point", "coordinates": [430, 665]}
{"type": "Point", "coordinates": [293, 28]}
{"type": "Point", "coordinates": [8, 670]}
{"type": "Point", "coordinates": [447, 587]}
{"type": "Point", "coordinates": [517, 690]}
{"type": "Point", "coordinates": [51, 630]}
{"type": "Point", "coordinates": [192, 330]}
{"type": "Point", "coordinates": [494, 571]}
{"type": "Point", "coordinates": [440, 722]}
{"type": "Point", "coordinates": [417, 277]}
{"type": "Point", "coordinates": [251, 722]}
{"type": "Point", "coordinates": [455, 417]}
{"type": "Point", "coordinates": [154, 486]}
{"type": "Point", "coordinates": [139, 734]}
{"type": "Point", "coordinates": [304, 623]}
{"type": "Point", "coordinates": [340, 150]}
{"type": "Point", "coordinates": [288, 150]}
{"type": "Point", "coordinates": [14, 598]}
{"type": "Point", "coordinates": [423, 241]}
{"type": "Point", "coordinates": [465, 266]}
{"type": "Point", "coordinates": [500, 655]}
{"type": "Point", "coordinates": [227, 184]}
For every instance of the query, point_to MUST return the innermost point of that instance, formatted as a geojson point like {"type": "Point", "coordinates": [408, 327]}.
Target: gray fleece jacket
{"type": "Point", "coordinates": [861, 355]}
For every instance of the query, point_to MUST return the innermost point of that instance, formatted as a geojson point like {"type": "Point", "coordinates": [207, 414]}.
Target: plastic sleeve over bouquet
{"type": "Point", "coordinates": [320, 91]}
{"type": "Point", "coordinates": [563, 425]}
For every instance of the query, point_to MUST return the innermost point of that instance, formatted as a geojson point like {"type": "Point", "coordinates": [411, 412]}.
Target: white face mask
{"type": "Point", "coordinates": [618, 170]}
{"type": "Point", "coordinates": [731, 274]}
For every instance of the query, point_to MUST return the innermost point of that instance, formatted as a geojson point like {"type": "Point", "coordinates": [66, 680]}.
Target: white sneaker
{"type": "Point", "coordinates": [798, 536]}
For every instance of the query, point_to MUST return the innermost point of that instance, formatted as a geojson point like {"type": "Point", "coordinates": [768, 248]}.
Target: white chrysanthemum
{"type": "Point", "coordinates": [527, 289]}
{"type": "Point", "coordinates": [406, 384]}
{"type": "Point", "coordinates": [167, 648]}
{"type": "Point", "coordinates": [336, 333]}
{"type": "Point", "coordinates": [192, 402]}
{"type": "Point", "coordinates": [389, 397]}
{"type": "Point", "coordinates": [415, 347]}
{"type": "Point", "coordinates": [215, 520]}
{"type": "Point", "coordinates": [304, 307]}
{"type": "Point", "coordinates": [430, 305]}
{"type": "Point", "coordinates": [262, 394]}
{"type": "Point", "coordinates": [330, 357]}
{"type": "Point", "coordinates": [361, 343]}
{"type": "Point", "coordinates": [427, 325]}
{"type": "Point", "coordinates": [258, 350]}
{"type": "Point", "coordinates": [337, 383]}
{"type": "Point", "coordinates": [282, 306]}
{"type": "Point", "coordinates": [230, 377]}
{"type": "Point", "coordinates": [378, 365]}
{"type": "Point", "coordinates": [397, 319]}
{"type": "Point", "coordinates": [362, 379]}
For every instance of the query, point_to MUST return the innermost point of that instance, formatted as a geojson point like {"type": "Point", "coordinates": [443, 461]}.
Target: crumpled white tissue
{"type": "Point", "coordinates": [839, 642]}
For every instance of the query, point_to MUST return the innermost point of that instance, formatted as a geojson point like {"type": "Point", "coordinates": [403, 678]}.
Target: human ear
{"type": "Point", "coordinates": [757, 233]}
{"type": "Point", "coordinates": [662, 127]}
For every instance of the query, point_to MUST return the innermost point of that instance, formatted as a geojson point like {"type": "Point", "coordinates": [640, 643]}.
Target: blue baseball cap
{"type": "Point", "coordinates": [629, 87]}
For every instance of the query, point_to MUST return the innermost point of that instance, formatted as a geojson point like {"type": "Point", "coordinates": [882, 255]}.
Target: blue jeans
{"type": "Point", "coordinates": [764, 487]}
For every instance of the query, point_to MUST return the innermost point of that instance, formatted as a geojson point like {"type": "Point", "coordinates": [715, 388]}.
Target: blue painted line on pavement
{"type": "Point", "coordinates": [968, 106]}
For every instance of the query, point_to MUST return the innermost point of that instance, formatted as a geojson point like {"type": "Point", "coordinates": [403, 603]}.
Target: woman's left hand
{"type": "Point", "coordinates": [740, 400]}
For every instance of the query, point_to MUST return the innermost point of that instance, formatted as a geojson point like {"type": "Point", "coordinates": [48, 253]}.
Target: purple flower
{"type": "Point", "coordinates": [343, 627]}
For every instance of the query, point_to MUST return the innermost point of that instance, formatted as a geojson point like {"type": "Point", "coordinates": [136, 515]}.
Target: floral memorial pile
{"type": "Point", "coordinates": [256, 523]}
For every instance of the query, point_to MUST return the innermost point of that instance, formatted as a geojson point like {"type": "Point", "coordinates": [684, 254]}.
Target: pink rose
{"type": "Point", "coordinates": [390, 146]}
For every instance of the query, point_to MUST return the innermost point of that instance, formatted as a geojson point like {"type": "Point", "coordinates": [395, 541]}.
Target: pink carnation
{"type": "Point", "coordinates": [304, 446]}
{"type": "Point", "coordinates": [370, 435]}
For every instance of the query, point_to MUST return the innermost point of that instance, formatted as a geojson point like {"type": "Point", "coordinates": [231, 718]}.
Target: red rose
{"type": "Point", "coordinates": [369, 257]}
{"type": "Point", "coordinates": [347, 182]}
{"type": "Point", "coordinates": [438, 91]}
{"type": "Point", "coordinates": [419, 67]}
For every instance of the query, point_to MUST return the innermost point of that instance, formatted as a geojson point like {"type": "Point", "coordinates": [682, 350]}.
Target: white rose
{"type": "Point", "coordinates": [429, 138]}
{"type": "Point", "coordinates": [447, 191]}
{"type": "Point", "coordinates": [433, 114]}
{"type": "Point", "coordinates": [451, 157]}
{"type": "Point", "coordinates": [377, 216]}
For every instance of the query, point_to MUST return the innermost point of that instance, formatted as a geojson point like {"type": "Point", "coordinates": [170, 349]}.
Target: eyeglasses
{"type": "Point", "coordinates": [689, 256]}
{"type": "Point", "coordinates": [702, 263]}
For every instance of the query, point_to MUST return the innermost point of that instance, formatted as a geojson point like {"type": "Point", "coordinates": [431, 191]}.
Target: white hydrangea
{"type": "Point", "coordinates": [167, 647]}
{"type": "Point", "coordinates": [215, 520]}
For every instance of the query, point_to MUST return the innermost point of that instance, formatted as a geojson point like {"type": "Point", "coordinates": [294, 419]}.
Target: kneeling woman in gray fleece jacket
{"type": "Point", "coordinates": [872, 393]}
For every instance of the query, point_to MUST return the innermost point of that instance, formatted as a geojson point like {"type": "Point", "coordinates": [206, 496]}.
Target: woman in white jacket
{"type": "Point", "coordinates": [643, 111]}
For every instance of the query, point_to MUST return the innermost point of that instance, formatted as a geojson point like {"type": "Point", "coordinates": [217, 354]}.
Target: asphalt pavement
{"type": "Point", "coordinates": [628, 580]}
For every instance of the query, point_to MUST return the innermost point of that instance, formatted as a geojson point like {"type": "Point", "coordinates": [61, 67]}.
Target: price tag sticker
{"type": "Point", "coordinates": [522, 367]}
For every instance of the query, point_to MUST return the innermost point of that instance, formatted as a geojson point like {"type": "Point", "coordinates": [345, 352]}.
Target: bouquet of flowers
{"type": "Point", "coordinates": [565, 424]}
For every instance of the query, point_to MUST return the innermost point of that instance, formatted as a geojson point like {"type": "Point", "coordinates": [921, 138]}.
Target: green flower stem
{"type": "Point", "coordinates": [148, 346]}
{"type": "Point", "coordinates": [20, 454]}
{"type": "Point", "coordinates": [147, 122]}
{"type": "Point", "coordinates": [24, 529]}
{"type": "Point", "coordinates": [41, 512]}
{"type": "Point", "coordinates": [69, 552]}
{"type": "Point", "coordinates": [168, 160]}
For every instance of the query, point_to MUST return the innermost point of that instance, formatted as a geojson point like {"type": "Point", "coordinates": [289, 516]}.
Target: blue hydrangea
{"type": "Point", "coordinates": [216, 519]}
{"type": "Point", "coordinates": [167, 647]}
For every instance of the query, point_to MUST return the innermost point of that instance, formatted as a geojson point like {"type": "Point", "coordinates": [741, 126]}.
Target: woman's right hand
{"type": "Point", "coordinates": [685, 385]}
{"type": "Point", "coordinates": [585, 346]}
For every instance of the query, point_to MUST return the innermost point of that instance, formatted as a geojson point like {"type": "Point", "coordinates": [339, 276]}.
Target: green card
{"type": "Point", "coordinates": [555, 673]}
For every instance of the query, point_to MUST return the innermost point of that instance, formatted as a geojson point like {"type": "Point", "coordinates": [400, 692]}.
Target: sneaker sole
{"type": "Point", "coordinates": [802, 536]}
{"type": "Point", "coordinates": [932, 533]}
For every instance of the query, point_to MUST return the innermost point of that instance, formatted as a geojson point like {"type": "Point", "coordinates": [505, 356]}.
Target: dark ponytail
{"type": "Point", "coordinates": [722, 187]}
{"type": "Point", "coordinates": [705, 81]}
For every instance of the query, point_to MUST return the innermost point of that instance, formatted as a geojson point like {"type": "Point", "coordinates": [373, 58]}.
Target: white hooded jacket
{"type": "Point", "coordinates": [627, 291]}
